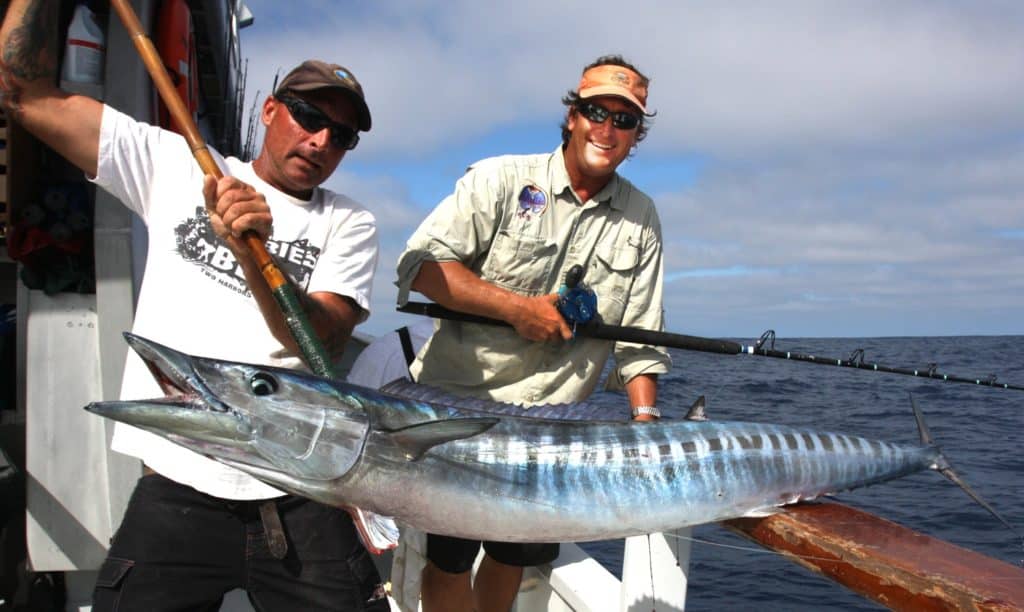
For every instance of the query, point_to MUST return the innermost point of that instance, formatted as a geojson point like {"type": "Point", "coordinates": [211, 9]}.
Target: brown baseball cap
{"type": "Point", "coordinates": [613, 80]}
{"type": "Point", "coordinates": [315, 74]}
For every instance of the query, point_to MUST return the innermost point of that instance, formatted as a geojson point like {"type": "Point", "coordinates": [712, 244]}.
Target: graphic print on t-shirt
{"type": "Point", "coordinates": [196, 243]}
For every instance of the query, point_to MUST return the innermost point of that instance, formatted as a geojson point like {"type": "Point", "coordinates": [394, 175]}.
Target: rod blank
{"type": "Point", "coordinates": [619, 333]}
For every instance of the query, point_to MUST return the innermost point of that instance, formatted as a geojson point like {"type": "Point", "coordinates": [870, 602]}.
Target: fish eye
{"type": "Point", "coordinates": [262, 383]}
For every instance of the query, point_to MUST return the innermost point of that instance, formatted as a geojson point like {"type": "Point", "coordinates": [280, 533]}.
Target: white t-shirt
{"type": "Point", "coordinates": [384, 361]}
{"type": "Point", "coordinates": [194, 297]}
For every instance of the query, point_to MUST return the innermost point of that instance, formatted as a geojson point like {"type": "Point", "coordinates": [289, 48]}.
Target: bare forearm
{"type": "Point", "coordinates": [454, 286]}
{"type": "Point", "coordinates": [69, 124]}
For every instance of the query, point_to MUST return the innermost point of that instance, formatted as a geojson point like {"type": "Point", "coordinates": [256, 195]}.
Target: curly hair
{"type": "Point", "coordinates": [572, 97]}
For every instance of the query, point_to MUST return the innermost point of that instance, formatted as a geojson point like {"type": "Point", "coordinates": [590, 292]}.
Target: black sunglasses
{"type": "Point", "coordinates": [595, 113]}
{"type": "Point", "coordinates": [312, 119]}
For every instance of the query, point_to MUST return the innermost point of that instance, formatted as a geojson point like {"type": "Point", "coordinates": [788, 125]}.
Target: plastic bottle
{"type": "Point", "coordinates": [85, 48]}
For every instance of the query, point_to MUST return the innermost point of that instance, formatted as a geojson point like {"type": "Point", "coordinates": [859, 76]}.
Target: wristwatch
{"type": "Point", "coordinates": [651, 410]}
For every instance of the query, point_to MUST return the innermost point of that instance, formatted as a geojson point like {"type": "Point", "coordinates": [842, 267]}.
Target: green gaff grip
{"type": "Point", "coordinates": [313, 351]}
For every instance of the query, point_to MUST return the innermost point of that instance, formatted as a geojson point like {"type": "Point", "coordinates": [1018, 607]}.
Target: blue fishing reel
{"type": "Point", "coordinates": [577, 303]}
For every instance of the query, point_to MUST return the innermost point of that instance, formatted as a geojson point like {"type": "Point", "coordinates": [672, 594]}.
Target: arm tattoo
{"type": "Point", "coordinates": [29, 52]}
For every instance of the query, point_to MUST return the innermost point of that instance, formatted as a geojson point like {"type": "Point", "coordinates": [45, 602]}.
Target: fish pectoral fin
{"type": "Point", "coordinates": [417, 439]}
{"type": "Point", "coordinates": [378, 533]}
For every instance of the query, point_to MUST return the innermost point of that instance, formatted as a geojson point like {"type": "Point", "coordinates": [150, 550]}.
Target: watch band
{"type": "Point", "coordinates": [651, 410]}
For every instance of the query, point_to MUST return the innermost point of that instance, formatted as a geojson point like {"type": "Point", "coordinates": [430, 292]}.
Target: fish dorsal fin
{"type": "Point", "coordinates": [417, 439]}
{"type": "Point", "coordinates": [696, 412]}
{"type": "Point", "coordinates": [579, 411]}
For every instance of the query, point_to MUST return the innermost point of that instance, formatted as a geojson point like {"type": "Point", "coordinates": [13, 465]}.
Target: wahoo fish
{"type": "Point", "coordinates": [476, 469]}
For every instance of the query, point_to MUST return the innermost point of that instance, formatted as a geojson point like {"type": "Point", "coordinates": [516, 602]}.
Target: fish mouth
{"type": "Point", "coordinates": [176, 374]}
{"type": "Point", "coordinates": [189, 407]}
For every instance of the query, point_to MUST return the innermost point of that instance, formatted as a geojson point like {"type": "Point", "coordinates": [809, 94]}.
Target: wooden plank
{"type": "Point", "coordinates": [888, 563]}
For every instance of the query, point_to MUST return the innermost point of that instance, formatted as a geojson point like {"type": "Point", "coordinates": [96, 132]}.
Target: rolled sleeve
{"type": "Point", "coordinates": [424, 245]}
{"type": "Point", "coordinates": [632, 360]}
{"type": "Point", "coordinates": [461, 228]}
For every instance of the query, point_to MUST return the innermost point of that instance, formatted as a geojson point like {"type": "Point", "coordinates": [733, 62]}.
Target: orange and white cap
{"type": "Point", "coordinates": [612, 80]}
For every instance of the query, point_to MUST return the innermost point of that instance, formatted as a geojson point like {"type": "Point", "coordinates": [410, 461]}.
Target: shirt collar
{"type": "Point", "coordinates": [560, 182]}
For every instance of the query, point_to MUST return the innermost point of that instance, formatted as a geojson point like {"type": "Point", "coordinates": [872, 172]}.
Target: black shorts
{"type": "Point", "coordinates": [180, 549]}
{"type": "Point", "coordinates": [456, 555]}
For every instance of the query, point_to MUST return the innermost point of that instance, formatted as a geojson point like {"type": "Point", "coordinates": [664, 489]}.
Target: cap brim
{"type": "Point", "coordinates": [365, 122]}
{"type": "Point", "coordinates": [611, 90]}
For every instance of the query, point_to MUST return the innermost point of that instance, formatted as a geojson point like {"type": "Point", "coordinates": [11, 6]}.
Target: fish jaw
{"type": "Point", "coordinates": [299, 423]}
{"type": "Point", "coordinates": [173, 370]}
{"type": "Point", "coordinates": [183, 416]}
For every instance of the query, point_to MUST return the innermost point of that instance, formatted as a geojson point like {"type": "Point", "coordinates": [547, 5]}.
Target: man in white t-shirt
{"type": "Point", "coordinates": [195, 529]}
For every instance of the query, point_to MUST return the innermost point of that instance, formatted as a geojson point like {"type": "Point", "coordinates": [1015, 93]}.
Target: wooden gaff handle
{"type": "Point", "coordinates": [168, 93]}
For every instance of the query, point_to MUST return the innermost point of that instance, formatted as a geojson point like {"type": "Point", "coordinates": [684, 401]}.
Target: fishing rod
{"type": "Point", "coordinates": [765, 346]}
{"type": "Point", "coordinates": [313, 351]}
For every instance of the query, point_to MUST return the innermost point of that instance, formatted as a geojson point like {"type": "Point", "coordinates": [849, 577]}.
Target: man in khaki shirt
{"type": "Point", "coordinates": [500, 246]}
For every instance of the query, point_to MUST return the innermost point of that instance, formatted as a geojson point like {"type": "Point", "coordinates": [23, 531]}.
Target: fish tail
{"type": "Point", "coordinates": [941, 465]}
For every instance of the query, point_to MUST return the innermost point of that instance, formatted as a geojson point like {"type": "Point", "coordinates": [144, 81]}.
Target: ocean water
{"type": "Point", "coordinates": [980, 429]}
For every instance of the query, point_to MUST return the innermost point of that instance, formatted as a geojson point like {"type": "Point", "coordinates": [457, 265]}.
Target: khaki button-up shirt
{"type": "Point", "coordinates": [516, 222]}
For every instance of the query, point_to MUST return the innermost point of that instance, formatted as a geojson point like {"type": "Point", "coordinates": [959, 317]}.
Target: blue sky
{"type": "Point", "coordinates": [821, 169]}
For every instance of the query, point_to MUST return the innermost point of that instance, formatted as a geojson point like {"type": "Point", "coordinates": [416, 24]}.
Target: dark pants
{"type": "Point", "coordinates": [179, 549]}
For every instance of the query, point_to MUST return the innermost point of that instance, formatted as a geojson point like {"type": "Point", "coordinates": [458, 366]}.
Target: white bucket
{"type": "Point", "coordinates": [85, 48]}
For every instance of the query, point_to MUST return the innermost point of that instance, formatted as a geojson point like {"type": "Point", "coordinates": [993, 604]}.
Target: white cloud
{"type": "Point", "coordinates": [918, 235]}
{"type": "Point", "coordinates": [729, 78]}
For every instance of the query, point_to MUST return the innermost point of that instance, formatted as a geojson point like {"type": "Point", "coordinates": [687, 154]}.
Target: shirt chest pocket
{"type": "Point", "coordinates": [520, 263]}
{"type": "Point", "coordinates": [611, 277]}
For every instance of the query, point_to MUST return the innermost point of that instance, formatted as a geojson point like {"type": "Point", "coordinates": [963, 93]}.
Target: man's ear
{"type": "Point", "coordinates": [270, 106]}
{"type": "Point", "coordinates": [570, 119]}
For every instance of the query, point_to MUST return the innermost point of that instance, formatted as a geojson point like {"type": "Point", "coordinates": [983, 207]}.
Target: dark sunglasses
{"type": "Point", "coordinates": [312, 119]}
{"type": "Point", "coordinates": [595, 113]}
